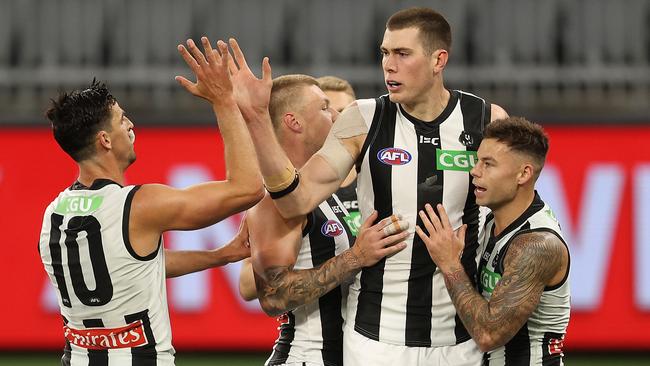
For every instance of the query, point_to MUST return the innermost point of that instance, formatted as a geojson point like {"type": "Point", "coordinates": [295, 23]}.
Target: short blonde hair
{"type": "Point", "coordinates": [332, 83]}
{"type": "Point", "coordinates": [285, 93]}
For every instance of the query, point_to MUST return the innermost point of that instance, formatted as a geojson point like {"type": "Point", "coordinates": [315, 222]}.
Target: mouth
{"type": "Point", "coordinates": [478, 189]}
{"type": "Point", "coordinates": [132, 135]}
{"type": "Point", "coordinates": [393, 85]}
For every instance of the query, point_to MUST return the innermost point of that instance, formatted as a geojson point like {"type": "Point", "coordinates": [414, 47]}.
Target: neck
{"type": "Point", "coordinates": [428, 106]}
{"type": "Point", "coordinates": [507, 213]}
{"type": "Point", "coordinates": [91, 169]}
{"type": "Point", "coordinates": [296, 152]}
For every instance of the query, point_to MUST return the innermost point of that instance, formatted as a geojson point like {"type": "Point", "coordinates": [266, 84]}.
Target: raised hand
{"type": "Point", "coordinates": [377, 241]}
{"type": "Point", "coordinates": [252, 94]}
{"type": "Point", "coordinates": [239, 247]}
{"type": "Point", "coordinates": [210, 67]}
{"type": "Point", "coordinates": [445, 245]}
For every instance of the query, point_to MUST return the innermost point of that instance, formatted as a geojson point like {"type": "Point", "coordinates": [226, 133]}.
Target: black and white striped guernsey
{"type": "Point", "coordinates": [405, 163]}
{"type": "Point", "coordinates": [313, 333]}
{"type": "Point", "coordinates": [113, 301]}
{"type": "Point", "coordinates": [540, 340]}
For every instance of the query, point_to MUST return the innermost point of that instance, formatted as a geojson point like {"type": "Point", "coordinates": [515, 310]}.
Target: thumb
{"type": "Point", "coordinates": [188, 85]}
{"type": "Point", "coordinates": [460, 233]}
{"type": "Point", "coordinates": [266, 70]}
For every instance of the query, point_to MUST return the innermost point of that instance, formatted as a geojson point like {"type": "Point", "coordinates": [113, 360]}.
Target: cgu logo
{"type": "Point", "coordinates": [79, 205]}
{"type": "Point", "coordinates": [455, 160]}
{"type": "Point", "coordinates": [331, 228]}
{"type": "Point", "coordinates": [489, 280]}
{"type": "Point", "coordinates": [394, 156]}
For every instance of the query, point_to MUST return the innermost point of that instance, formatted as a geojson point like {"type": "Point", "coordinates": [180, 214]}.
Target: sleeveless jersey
{"type": "Point", "coordinates": [540, 340]}
{"type": "Point", "coordinates": [113, 301]}
{"type": "Point", "coordinates": [348, 196]}
{"type": "Point", "coordinates": [313, 332]}
{"type": "Point", "coordinates": [405, 163]}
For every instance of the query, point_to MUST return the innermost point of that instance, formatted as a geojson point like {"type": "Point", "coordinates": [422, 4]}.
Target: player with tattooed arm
{"type": "Point", "coordinates": [520, 312]}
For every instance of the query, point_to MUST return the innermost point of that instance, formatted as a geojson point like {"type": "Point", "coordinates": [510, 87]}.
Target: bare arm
{"type": "Point", "coordinates": [534, 260]}
{"type": "Point", "coordinates": [319, 177]}
{"type": "Point", "coordinates": [157, 208]}
{"type": "Point", "coordinates": [497, 112]}
{"type": "Point", "coordinates": [247, 289]}
{"type": "Point", "coordinates": [275, 246]}
{"type": "Point", "coordinates": [182, 262]}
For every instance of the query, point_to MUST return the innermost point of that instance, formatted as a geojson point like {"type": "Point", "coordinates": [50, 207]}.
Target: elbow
{"type": "Point", "coordinates": [250, 195]}
{"type": "Point", "coordinates": [488, 342]}
{"type": "Point", "coordinates": [272, 309]}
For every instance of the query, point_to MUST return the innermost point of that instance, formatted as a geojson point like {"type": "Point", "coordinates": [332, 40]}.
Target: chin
{"type": "Point", "coordinates": [395, 98]}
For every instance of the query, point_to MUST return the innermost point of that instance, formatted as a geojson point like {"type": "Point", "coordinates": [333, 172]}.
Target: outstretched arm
{"type": "Point", "coordinates": [182, 262]}
{"type": "Point", "coordinates": [247, 289]}
{"type": "Point", "coordinates": [321, 176]}
{"type": "Point", "coordinates": [275, 246]}
{"type": "Point", "coordinates": [534, 260]}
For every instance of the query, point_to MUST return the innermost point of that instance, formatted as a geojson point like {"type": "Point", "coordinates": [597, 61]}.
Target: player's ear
{"type": "Point", "coordinates": [526, 174]}
{"type": "Point", "coordinates": [104, 139]}
{"type": "Point", "coordinates": [289, 119]}
{"type": "Point", "coordinates": [439, 59]}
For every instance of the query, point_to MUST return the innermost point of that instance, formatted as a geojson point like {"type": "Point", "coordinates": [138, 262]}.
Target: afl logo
{"type": "Point", "coordinates": [394, 156]}
{"type": "Point", "coordinates": [331, 228]}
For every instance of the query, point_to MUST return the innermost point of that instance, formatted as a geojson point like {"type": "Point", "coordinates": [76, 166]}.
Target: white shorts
{"type": "Point", "coordinates": [361, 351]}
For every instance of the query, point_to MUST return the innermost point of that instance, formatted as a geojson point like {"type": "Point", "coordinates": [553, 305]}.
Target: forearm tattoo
{"type": "Point", "coordinates": [531, 261]}
{"type": "Point", "coordinates": [282, 288]}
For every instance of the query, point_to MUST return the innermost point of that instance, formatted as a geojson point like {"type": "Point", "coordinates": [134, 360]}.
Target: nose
{"type": "Point", "coordinates": [335, 114]}
{"type": "Point", "coordinates": [388, 63]}
{"type": "Point", "coordinates": [474, 171]}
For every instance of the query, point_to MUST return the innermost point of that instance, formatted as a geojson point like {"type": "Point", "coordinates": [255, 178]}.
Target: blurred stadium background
{"type": "Point", "coordinates": [579, 67]}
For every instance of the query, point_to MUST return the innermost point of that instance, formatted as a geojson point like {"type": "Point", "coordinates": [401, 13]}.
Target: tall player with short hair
{"type": "Point", "coordinates": [520, 313]}
{"type": "Point", "coordinates": [101, 241]}
{"type": "Point", "coordinates": [413, 146]}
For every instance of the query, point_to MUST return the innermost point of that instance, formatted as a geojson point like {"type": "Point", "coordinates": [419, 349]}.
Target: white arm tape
{"type": "Point", "coordinates": [349, 124]}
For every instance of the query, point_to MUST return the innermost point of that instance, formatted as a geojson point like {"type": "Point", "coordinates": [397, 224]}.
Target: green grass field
{"type": "Point", "coordinates": [256, 359]}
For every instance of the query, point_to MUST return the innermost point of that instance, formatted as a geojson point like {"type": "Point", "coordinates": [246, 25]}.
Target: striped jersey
{"type": "Point", "coordinates": [313, 333]}
{"type": "Point", "coordinates": [348, 196]}
{"type": "Point", "coordinates": [540, 340]}
{"type": "Point", "coordinates": [113, 301]}
{"type": "Point", "coordinates": [404, 164]}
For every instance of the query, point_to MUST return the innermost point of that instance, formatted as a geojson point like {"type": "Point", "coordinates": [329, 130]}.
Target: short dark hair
{"type": "Point", "coordinates": [76, 117]}
{"type": "Point", "coordinates": [435, 31]}
{"type": "Point", "coordinates": [522, 136]}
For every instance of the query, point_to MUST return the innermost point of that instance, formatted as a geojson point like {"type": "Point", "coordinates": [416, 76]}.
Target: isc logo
{"type": "Point", "coordinates": [394, 156]}
{"type": "Point", "coordinates": [331, 228]}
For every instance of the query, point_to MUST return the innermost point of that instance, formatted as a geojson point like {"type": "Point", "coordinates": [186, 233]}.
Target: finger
{"type": "Point", "coordinates": [369, 221]}
{"type": "Point", "coordinates": [427, 223]}
{"type": "Point", "coordinates": [207, 48]}
{"type": "Point", "coordinates": [189, 60]}
{"type": "Point", "coordinates": [196, 53]}
{"type": "Point", "coordinates": [188, 85]}
{"type": "Point", "coordinates": [444, 219]}
{"type": "Point", "coordinates": [393, 239]}
{"type": "Point", "coordinates": [232, 66]}
{"type": "Point", "coordinates": [216, 54]}
{"type": "Point", "coordinates": [425, 238]}
{"type": "Point", "coordinates": [239, 55]}
{"type": "Point", "coordinates": [435, 221]}
{"type": "Point", "coordinates": [396, 226]}
{"type": "Point", "coordinates": [225, 55]}
{"type": "Point", "coordinates": [266, 71]}
{"type": "Point", "coordinates": [393, 249]}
